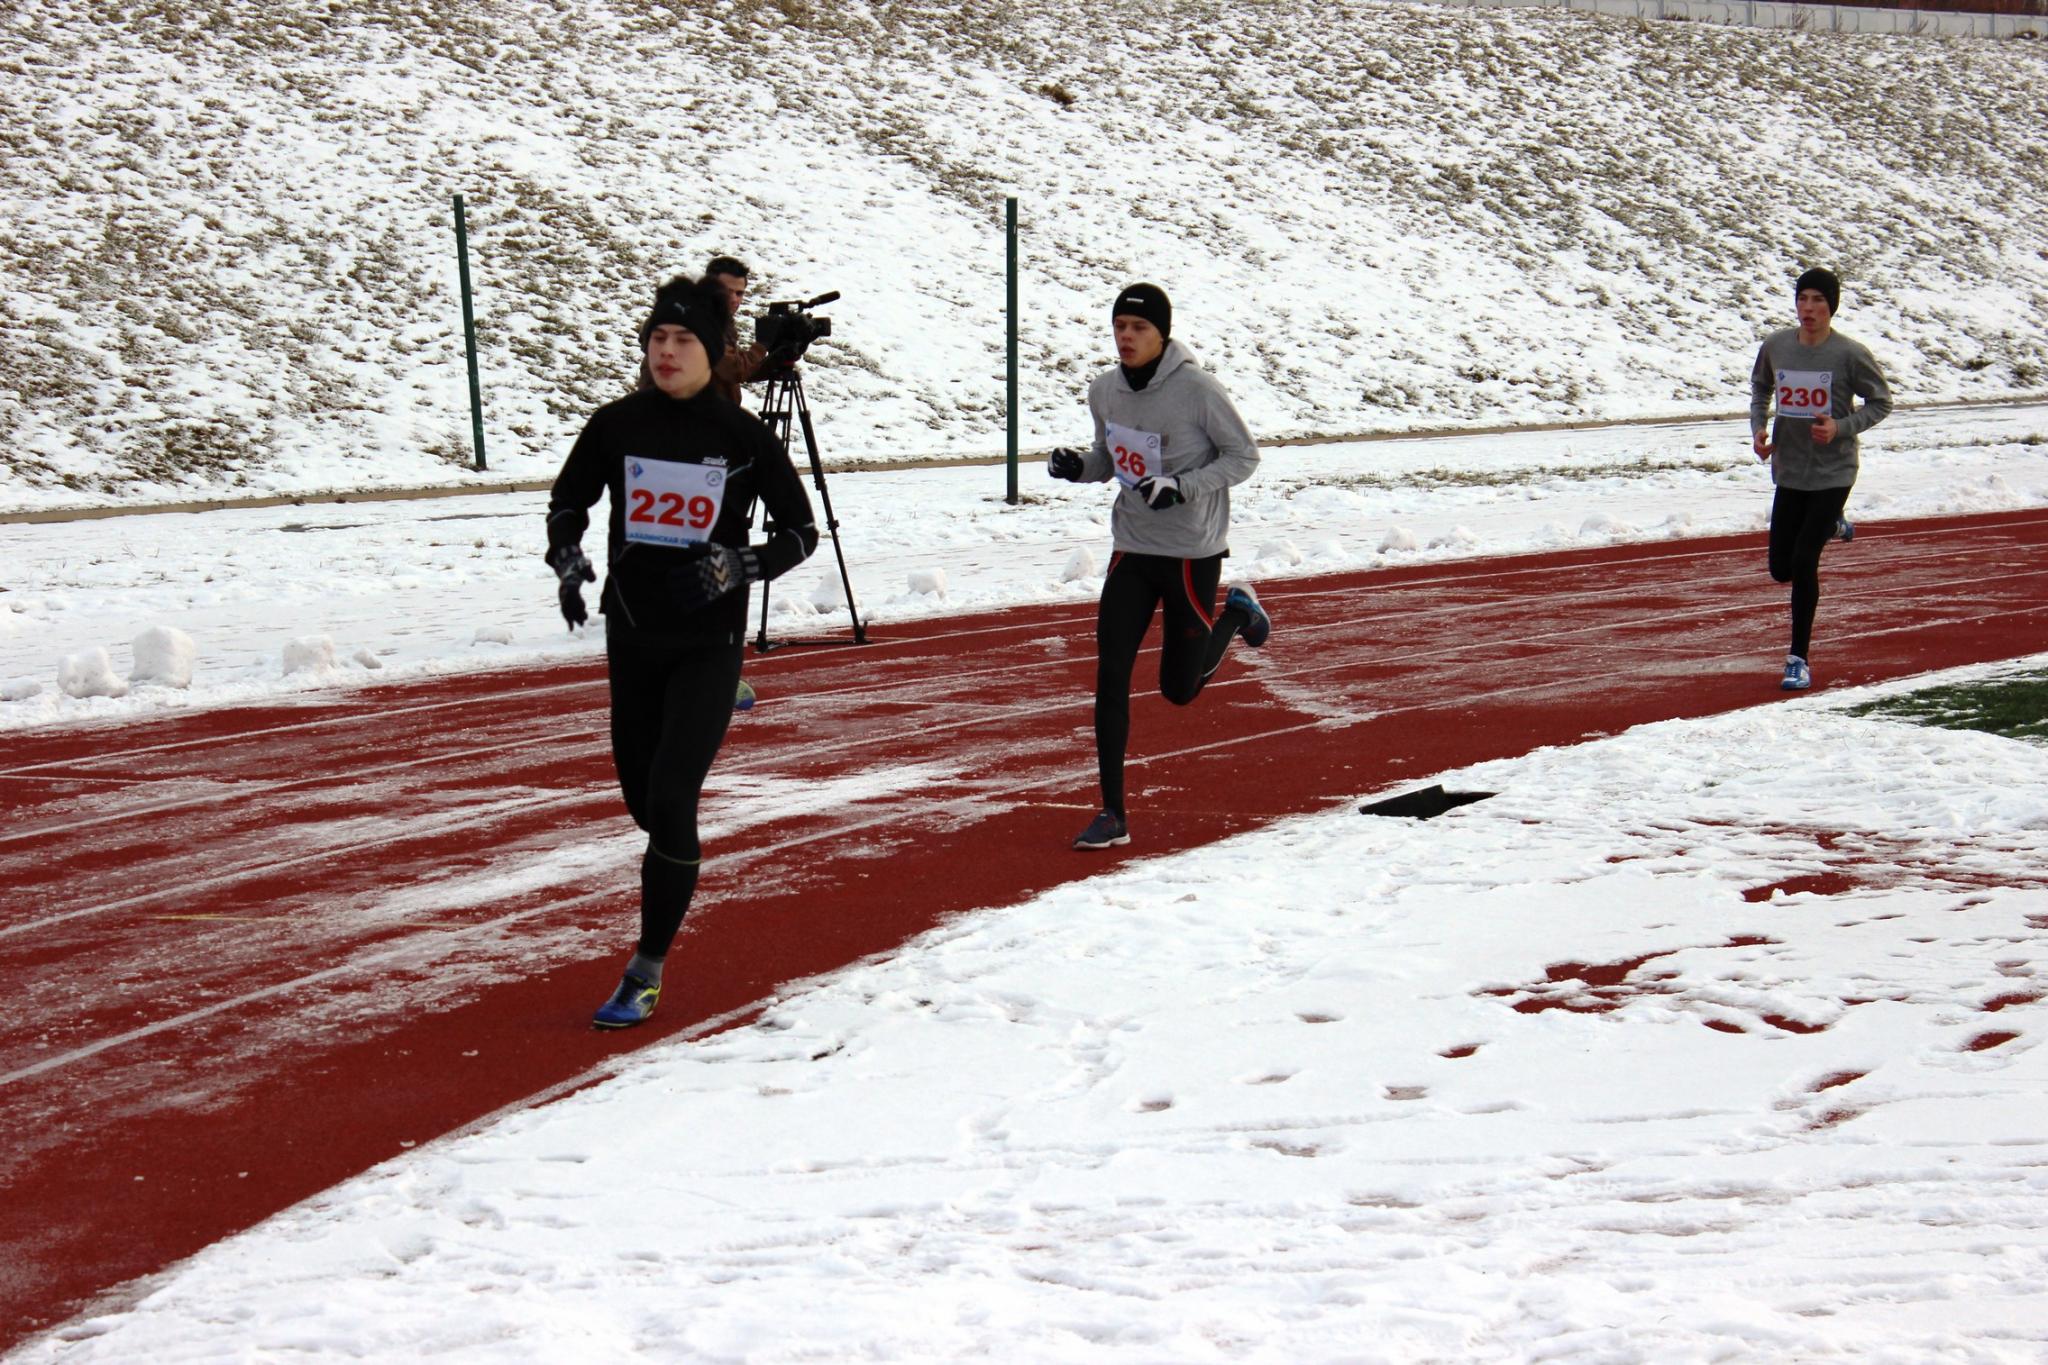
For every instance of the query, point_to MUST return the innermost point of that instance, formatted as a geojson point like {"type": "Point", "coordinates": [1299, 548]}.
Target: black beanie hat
{"type": "Point", "coordinates": [1823, 280]}
{"type": "Point", "coordinates": [1149, 302]}
{"type": "Point", "coordinates": [698, 305]}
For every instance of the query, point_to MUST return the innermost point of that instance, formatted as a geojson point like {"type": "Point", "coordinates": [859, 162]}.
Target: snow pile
{"type": "Point", "coordinates": [309, 654]}
{"type": "Point", "coordinates": [164, 656]}
{"type": "Point", "coordinates": [89, 673]}
{"type": "Point", "coordinates": [829, 595]}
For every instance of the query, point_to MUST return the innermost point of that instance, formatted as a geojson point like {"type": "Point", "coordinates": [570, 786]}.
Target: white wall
{"type": "Point", "coordinates": [1818, 18]}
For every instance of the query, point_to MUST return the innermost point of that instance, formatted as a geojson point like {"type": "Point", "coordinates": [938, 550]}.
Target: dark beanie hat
{"type": "Point", "coordinates": [1147, 301]}
{"type": "Point", "coordinates": [1824, 280]}
{"type": "Point", "coordinates": [697, 305]}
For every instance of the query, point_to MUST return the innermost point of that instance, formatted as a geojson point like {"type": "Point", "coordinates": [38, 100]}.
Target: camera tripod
{"type": "Point", "coordinates": [782, 405]}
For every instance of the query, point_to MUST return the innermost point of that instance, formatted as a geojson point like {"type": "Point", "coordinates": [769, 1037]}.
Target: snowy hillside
{"type": "Point", "coordinates": [229, 245]}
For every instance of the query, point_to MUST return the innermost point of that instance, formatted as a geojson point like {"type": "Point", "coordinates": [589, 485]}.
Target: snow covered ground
{"type": "Point", "coordinates": [1535, 1080]}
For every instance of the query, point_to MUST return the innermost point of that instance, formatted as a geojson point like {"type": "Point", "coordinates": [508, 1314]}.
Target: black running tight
{"type": "Point", "coordinates": [1802, 524]}
{"type": "Point", "coordinates": [671, 703]}
{"type": "Point", "coordinates": [1195, 638]}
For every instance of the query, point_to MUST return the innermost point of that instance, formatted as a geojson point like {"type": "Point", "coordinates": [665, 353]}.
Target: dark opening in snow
{"type": "Point", "coordinates": [1421, 805]}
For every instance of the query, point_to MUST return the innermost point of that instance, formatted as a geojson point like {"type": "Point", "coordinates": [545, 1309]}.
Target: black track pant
{"type": "Point", "coordinates": [671, 703]}
{"type": "Point", "coordinates": [1802, 524]}
{"type": "Point", "coordinates": [1195, 640]}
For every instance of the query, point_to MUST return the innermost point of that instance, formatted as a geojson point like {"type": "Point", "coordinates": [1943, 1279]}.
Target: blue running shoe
{"type": "Point", "coordinates": [1261, 625]}
{"type": "Point", "coordinates": [1104, 831]}
{"type": "Point", "coordinates": [743, 698]}
{"type": "Point", "coordinates": [1797, 676]}
{"type": "Point", "coordinates": [1845, 529]}
{"type": "Point", "coordinates": [631, 1004]}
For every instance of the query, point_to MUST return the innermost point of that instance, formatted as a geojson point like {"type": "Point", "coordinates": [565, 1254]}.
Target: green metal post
{"type": "Point", "coordinates": [476, 393]}
{"type": "Point", "coordinates": [1010, 216]}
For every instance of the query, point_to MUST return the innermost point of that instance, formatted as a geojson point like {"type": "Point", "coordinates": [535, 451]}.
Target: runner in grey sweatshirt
{"type": "Point", "coordinates": [1166, 432]}
{"type": "Point", "coordinates": [1812, 374]}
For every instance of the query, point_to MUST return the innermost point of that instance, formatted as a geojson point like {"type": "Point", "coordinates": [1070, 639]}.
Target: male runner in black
{"type": "Point", "coordinates": [683, 466]}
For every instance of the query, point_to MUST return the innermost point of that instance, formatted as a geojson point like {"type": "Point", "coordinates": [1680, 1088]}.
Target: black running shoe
{"type": "Point", "coordinates": [1104, 831]}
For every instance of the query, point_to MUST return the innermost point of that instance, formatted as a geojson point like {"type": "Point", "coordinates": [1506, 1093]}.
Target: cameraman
{"type": "Point", "coordinates": [740, 364]}
{"type": "Point", "coordinates": [683, 467]}
{"type": "Point", "coordinates": [737, 364]}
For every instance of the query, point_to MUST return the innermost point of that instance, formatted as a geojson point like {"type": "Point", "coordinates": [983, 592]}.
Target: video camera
{"type": "Point", "coordinates": [786, 331]}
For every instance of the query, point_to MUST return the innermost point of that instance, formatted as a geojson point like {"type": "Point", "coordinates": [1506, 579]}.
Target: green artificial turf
{"type": "Point", "coordinates": [2015, 706]}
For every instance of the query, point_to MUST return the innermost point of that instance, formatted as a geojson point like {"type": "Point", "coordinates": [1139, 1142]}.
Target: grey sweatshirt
{"type": "Point", "coordinates": [1796, 377]}
{"type": "Point", "coordinates": [1184, 423]}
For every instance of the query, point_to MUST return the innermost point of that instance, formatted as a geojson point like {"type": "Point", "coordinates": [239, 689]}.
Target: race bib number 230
{"type": "Point", "coordinates": [1805, 393]}
{"type": "Point", "coordinates": [670, 503]}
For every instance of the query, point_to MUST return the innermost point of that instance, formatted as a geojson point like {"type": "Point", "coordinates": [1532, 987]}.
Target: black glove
{"type": "Point", "coordinates": [1064, 463]}
{"type": "Point", "coordinates": [711, 572]}
{"type": "Point", "coordinates": [1160, 492]}
{"type": "Point", "coordinates": [572, 566]}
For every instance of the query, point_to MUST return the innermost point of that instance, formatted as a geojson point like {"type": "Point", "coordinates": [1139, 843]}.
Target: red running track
{"type": "Point", "coordinates": [249, 953]}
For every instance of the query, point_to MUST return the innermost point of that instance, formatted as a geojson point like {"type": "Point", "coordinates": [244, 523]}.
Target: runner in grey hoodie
{"type": "Point", "coordinates": [1166, 432]}
{"type": "Point", "coordinates": [1813, 374]}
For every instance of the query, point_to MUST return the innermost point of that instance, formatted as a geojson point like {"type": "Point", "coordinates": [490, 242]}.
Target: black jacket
{"type": "Point", "coordinates": [649, 429]}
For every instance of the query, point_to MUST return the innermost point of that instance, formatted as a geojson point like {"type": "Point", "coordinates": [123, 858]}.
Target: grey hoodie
{"type": "Point", "coordinates": [1200, 440]}
{"type": "Point", "coordinates": [1786, 371]}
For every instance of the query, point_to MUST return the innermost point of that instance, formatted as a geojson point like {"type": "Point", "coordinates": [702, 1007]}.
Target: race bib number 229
{"type": "Point", "coordinates": [670, 503]}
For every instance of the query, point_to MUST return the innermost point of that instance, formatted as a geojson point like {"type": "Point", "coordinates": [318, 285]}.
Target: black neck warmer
{"type": "Point", "coordinates": [1138, 377]}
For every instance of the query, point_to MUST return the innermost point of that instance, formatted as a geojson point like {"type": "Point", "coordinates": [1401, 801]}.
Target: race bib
{"type": "Point", "coordinates": [672, 504]}
{"type": "Point", "coordinates": [1805, 393]}
{"type": "Point", "coordinates": [1133, 453]}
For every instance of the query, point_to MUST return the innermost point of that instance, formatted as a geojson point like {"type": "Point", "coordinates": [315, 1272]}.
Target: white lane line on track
{"type": "Point", "coordinates": [242, 791]}
{"type": "Point", "coordinates": [1965, 551]}
{"type": "Point", "coordinates": [27, 778]}
{"type": "Point", "coordinates": [443, 826]}
{"type": "Point", "coordinates": [1076, 772]}
{"type": "Point", "coordinates": [410, 946]}
{"type": "Point", "coordinates": [984, 715]}
{"type": "Point", "coordinates": [349, 717]}
{"type": "Point", "coordinates": [766, 665]}
{"type": "Point", "coordinates": [279, 919]}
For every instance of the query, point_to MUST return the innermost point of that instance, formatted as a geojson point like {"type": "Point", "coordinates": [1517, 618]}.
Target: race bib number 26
{"type": "Point", "coordinates": [1133, 453]}
{"type": "Point", "coordinates": [1805, 393]}
{"type": "Point", "coordinates": [669, 503]}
